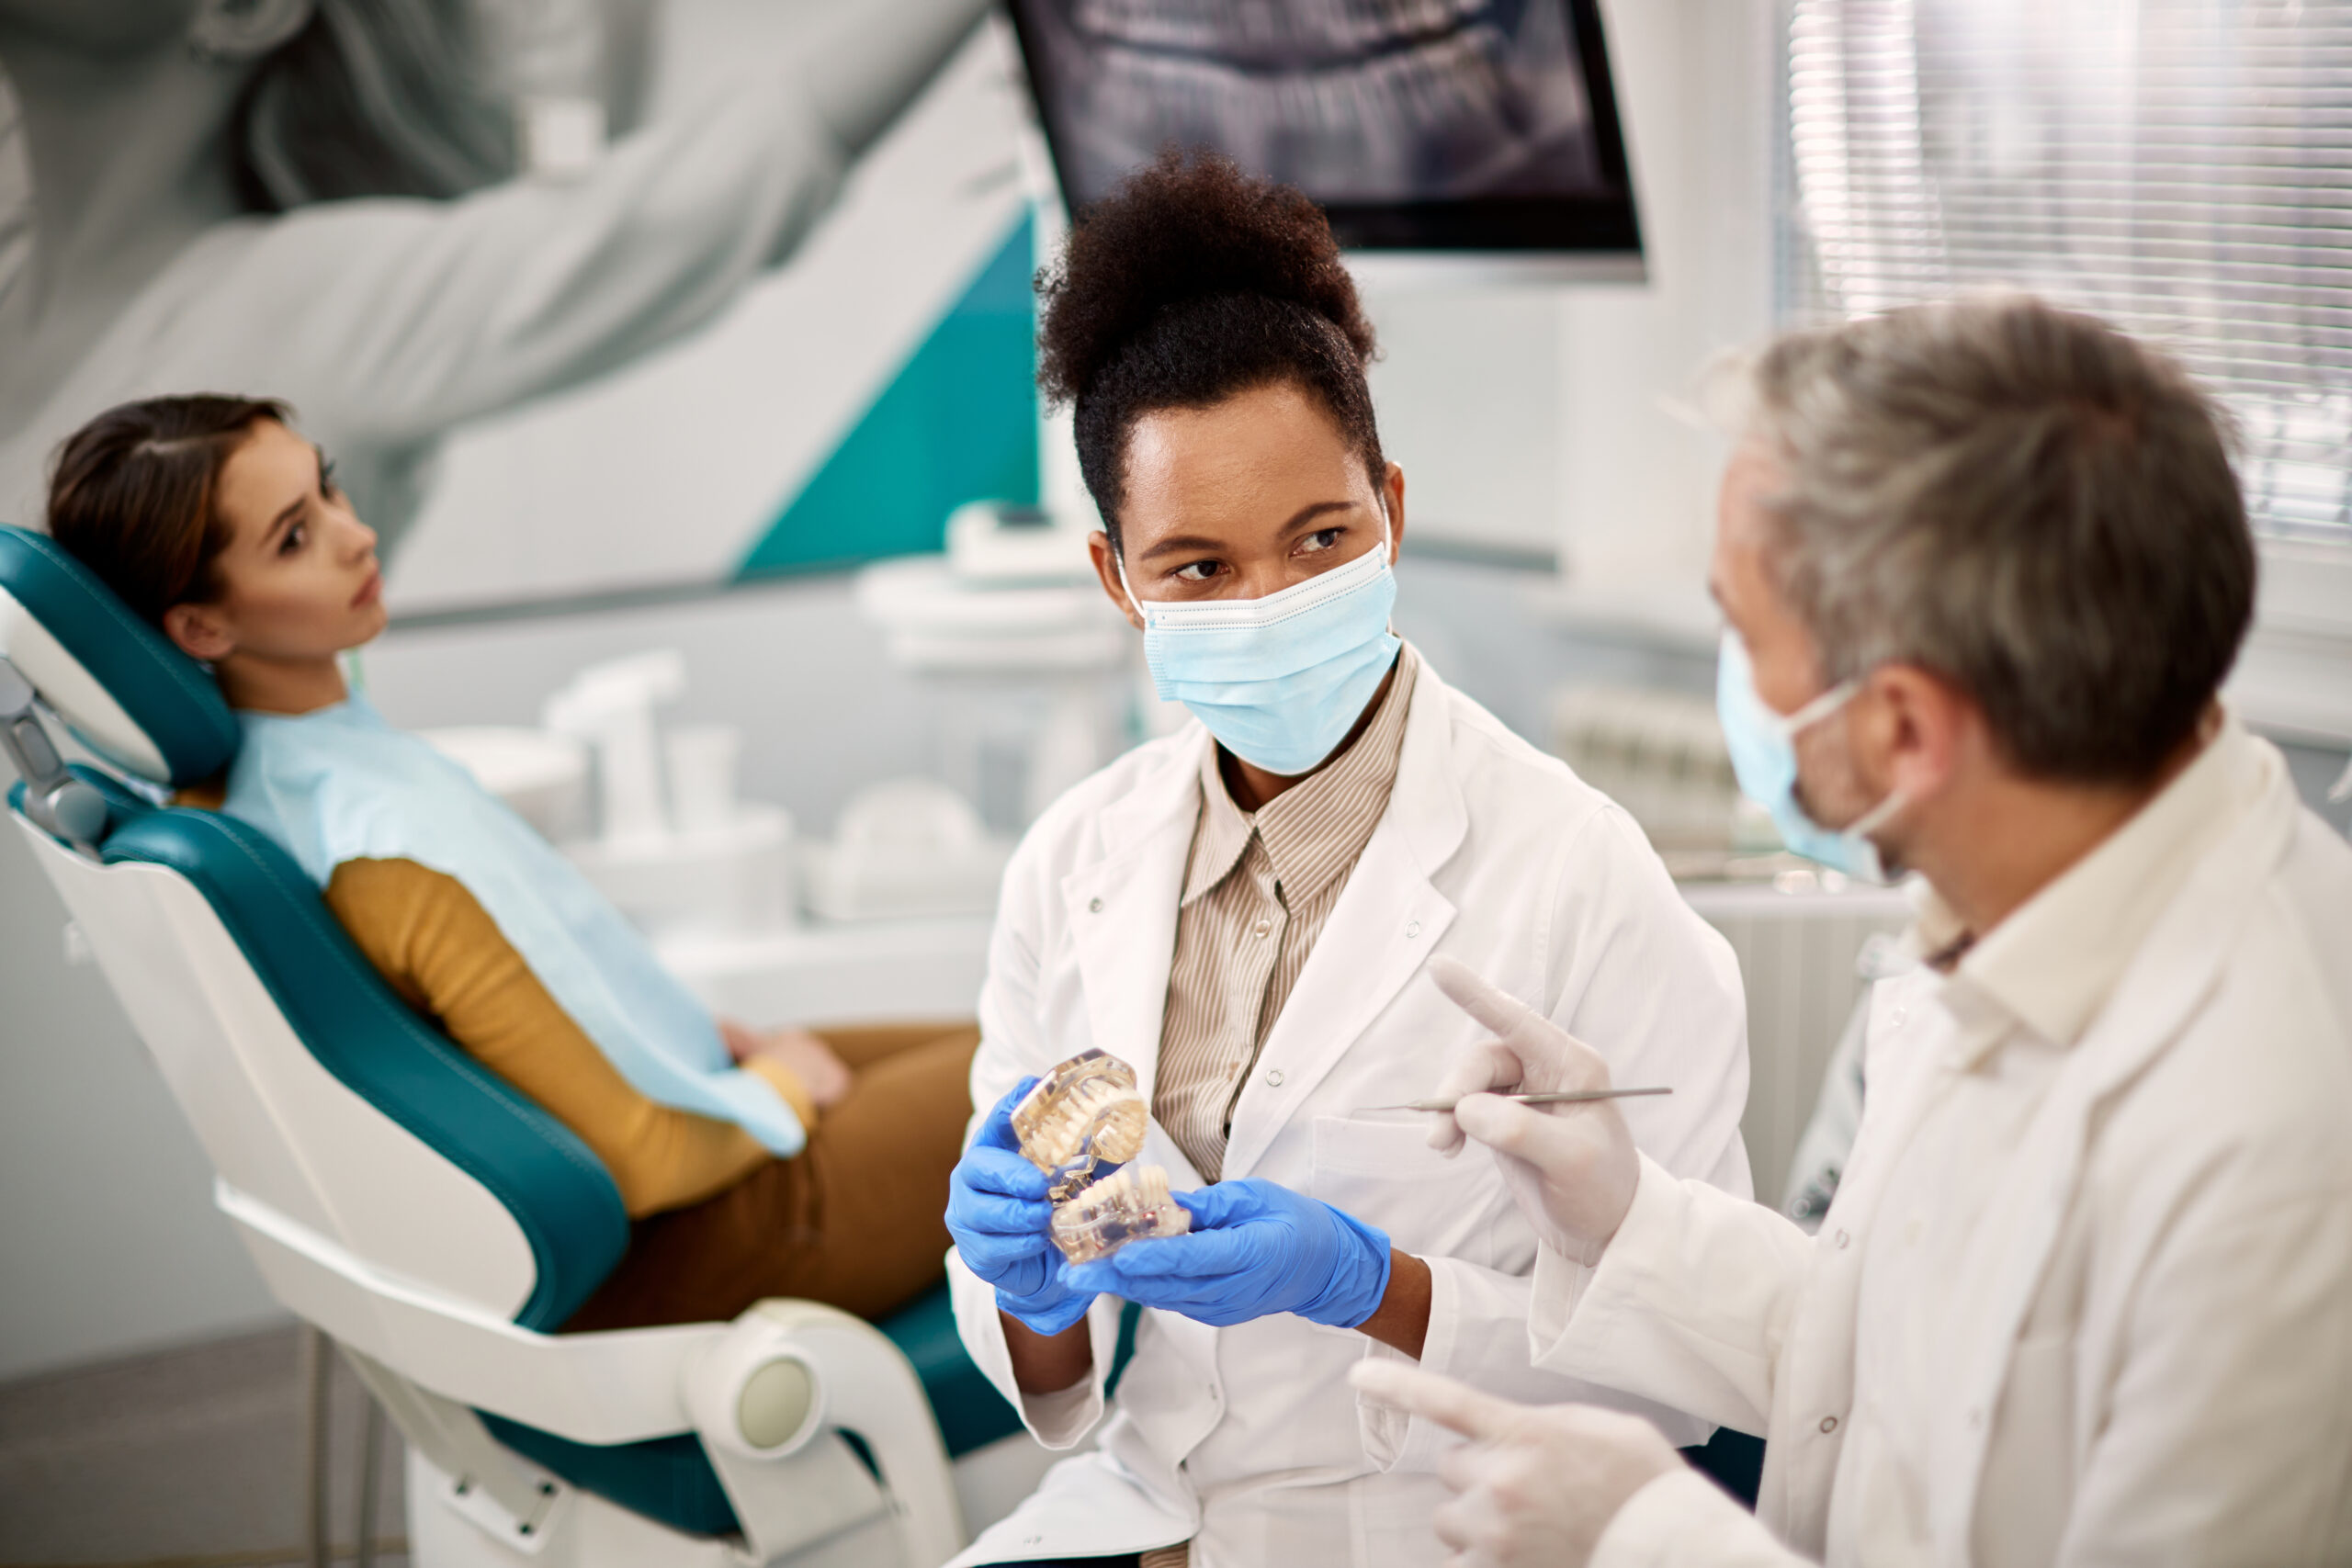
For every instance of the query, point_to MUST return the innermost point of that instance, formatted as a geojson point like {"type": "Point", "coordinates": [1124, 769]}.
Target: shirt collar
{"type": "Point", "coordinates": [2052, 964]}
{"type": "Point", "coordinates": [1315, 829]}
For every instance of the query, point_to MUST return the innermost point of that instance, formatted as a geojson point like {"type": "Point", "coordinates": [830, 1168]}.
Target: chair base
{"type": "Point", "coordinates": [580, 1530]}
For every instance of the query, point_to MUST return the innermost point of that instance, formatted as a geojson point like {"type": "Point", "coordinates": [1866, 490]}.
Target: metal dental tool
{"type": "Point", "coordinates": [1579, 1097]}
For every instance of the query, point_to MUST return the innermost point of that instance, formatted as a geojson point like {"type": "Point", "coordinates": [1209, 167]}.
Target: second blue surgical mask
{"type": "Point", "coordinates": [1763, 745]}
{"type": "Point", "coordinates": [1279, 680]}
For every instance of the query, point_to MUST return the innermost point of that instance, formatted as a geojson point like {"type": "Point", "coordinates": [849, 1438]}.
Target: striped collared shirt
{"type": "Point", "coordinates": [1258, 888]}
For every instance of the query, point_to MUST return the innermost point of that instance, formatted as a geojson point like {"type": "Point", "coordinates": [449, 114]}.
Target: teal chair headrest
{"type": "Point", "coordinates": [126, 691]}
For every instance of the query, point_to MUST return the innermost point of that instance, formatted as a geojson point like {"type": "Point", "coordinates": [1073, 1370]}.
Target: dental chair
{"type": "Point", "coordinates": [429, 1219]}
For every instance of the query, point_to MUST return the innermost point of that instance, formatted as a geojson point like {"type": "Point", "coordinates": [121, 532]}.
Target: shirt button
{"type": "Point", "coordinates": [1261, 928]}
{"type": "Point", "coordinates": [1095, 906]}
{"type": "Point", "coordinates": [1274, 1078]}
{"type": "Point", "coordinates": [1412, 930]}
{"type": "Point", "coordinates": [1828, 1424]}
{"type": "Point", "coordinates": [1842, 1239]}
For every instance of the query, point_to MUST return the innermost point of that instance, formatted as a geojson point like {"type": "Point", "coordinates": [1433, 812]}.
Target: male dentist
{"type": "Point", "coordinates": [2084, 1294]}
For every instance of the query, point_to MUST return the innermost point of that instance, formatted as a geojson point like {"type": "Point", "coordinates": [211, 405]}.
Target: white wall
{"type": "Point", "coordinates": [1544, 417]}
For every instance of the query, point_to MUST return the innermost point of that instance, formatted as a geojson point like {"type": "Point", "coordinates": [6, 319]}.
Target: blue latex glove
{"type": "Point", "coordinates": [998, 1214]}
{"type": "Point", "coordinates": [1255, 1248]}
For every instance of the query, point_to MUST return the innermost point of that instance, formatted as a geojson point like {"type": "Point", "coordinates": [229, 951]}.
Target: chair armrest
{"type": "Point", "coordinates": [618, 1387]}
{"type": "Point", "coordinates": [761, 1393]}
{"type": "Point", "coordinates": [770, 1391]}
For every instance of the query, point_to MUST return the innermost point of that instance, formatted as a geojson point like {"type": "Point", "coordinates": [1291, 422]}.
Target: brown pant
{"type": "Point", "coordinates": [854, 1220]}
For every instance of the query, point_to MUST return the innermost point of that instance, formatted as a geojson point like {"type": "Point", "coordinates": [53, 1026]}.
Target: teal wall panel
{"type": "Point", "coordinates": [958, 423]}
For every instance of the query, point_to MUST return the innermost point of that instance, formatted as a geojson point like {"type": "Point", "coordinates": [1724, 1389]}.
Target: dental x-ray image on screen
{"type": "Point", "coordinates": [1417, 124]}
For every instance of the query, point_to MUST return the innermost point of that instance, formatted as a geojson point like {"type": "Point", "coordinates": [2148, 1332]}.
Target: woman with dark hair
{"type": "Point", "coordinates": [752, 1163]}
{"type": "Point", "coordinates": [318, 196]}
{"type": "Point", "coordinates": [1243, 910]}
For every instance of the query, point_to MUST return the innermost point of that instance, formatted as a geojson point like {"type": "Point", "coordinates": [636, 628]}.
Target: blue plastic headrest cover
{"type": "Point", "coordinates": [126, 690]}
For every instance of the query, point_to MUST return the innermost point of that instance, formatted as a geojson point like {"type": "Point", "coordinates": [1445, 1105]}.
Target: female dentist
{"type": "Point", "coordinates": [1241, 910]}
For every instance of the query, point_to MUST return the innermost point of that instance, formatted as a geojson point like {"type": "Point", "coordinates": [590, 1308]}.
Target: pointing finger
{"type": "Point", "coordinates": [1467, 989]}
{"type": "Point", "coordinates": [1457, 1406]}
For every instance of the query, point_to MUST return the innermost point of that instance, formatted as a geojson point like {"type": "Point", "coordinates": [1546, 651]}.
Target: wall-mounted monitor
{"type": "Point", "coordinates": [1451, 126]}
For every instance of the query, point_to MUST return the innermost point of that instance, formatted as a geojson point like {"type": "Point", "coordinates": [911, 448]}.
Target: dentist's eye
{"type": "Point", "coordinates": [327, 485]}
{"type": "Point", "coordinates": [1320, 540]}
{"type": "Point", "coordinates": [296, 538]}
{"type": "Point", "coordinates": [1196, 571]}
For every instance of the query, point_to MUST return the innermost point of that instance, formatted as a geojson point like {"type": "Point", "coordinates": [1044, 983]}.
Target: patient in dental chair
{"type": "Point", "coordinates": [752, 1163]}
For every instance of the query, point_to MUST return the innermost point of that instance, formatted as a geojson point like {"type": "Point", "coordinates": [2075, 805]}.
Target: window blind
{"type": "Point", "coordinates": [2180, 168]}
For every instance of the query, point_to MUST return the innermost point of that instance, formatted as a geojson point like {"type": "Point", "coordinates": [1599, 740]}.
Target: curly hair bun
{"type": "Point", "coordinates": [1190, 226]}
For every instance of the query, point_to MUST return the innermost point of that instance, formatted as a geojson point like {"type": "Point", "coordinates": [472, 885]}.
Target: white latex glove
{"type": "Point", "coordinates": [1536, 1485]}
{"type": "Point", "coordinates": [1572, 1167]}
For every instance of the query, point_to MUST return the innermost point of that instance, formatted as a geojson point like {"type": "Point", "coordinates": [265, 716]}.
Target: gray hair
{"type": "Point", "coordinates": [2026, 502]}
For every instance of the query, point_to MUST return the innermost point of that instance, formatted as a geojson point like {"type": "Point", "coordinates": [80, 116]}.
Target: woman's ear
{"type": "Point", "coordinates": [1106, 569]}
{"type": "Point", "coordinates": [199, 632]}
{"type": "Point", "coordinates": [237, 31]}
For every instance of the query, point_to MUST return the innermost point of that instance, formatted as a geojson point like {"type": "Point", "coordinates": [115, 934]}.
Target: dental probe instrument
{"type": "Point", "coordinates": [1578, 1098]}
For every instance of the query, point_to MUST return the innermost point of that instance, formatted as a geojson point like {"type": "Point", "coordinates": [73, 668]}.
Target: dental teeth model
{"type": "Point", "coordinates": [1083, 1114]}
{"type": "Point", "coordinates": [1133, 1204]}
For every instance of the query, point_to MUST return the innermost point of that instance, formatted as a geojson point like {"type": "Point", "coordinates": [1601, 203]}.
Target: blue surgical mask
{"type": "Point", "coordinates": [1279, 680]}
{"type": "Point", "coordinates": [1764, 756]}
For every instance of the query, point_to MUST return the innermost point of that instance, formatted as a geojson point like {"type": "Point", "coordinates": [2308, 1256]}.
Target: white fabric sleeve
{"type": "Point", "coordinates": [1642, 979]}
{"type": "Point", "coordinates": [1011, 1047]}
{"type": "Point", "coordinates": [1477, 1335]}
{"type": "Point", "coordinates": [1683, 1520]}
{"type": "Point", "coordinates": [2227, 1434]}
{"type": "Point", "coordinates": [438, 313]}
{"type": "Point", "coordinates": [1689, 1306]}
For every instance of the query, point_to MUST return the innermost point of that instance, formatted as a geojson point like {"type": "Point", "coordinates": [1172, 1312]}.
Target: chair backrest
{"type": "Point", "coordinates": [315, 1089]}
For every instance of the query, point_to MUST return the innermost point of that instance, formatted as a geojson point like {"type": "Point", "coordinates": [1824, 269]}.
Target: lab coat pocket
{"type": "Point", "coordinates": [1385, 1174]}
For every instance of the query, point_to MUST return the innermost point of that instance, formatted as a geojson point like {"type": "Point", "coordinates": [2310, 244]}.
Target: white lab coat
{"type": "Point", "coordinates": [388, 322]}
{"type": "Point", "coordinates": [2164, 1369]}
{"type": "Point", "coordinates": [1249, 1441]}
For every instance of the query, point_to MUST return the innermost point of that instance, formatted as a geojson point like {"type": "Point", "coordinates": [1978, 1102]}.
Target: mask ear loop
{"type": "Point", "coordinates": [1119, 560]}
{"type": "Point", "coordinates": [1821, 707]}
{"type": "Point", "coordinates": [1813, 713]}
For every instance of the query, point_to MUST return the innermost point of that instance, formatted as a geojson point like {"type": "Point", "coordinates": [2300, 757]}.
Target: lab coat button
{"type": "Point", "coordinates": [1274, 1076]}
{"type": "Point", "coordinates": [1412, 930]}
{"type": "Point", "coordinates": [1894, 1018]}
{"type": "Point", "coordinates": [1095, 906]}
{"type": "Point", "coordinates": [1842, 1239]}
{"type": "Point", "coordinates": [1828, 1424]}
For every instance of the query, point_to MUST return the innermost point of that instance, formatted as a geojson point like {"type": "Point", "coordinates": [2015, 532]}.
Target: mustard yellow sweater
{"type": "Point", "coordinates": [443, 953]}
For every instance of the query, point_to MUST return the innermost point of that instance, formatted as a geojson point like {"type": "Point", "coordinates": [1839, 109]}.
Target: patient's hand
{"type": "Point", "coordinates": [809, 1060]}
